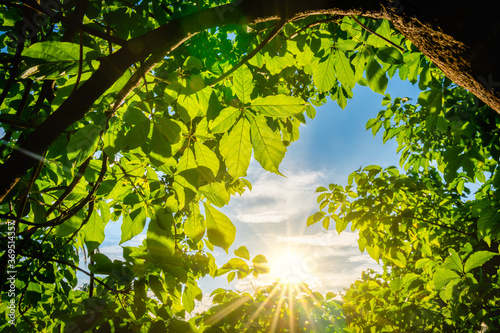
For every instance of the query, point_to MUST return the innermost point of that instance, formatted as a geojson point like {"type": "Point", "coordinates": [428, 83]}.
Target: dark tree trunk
{"type": "Point", "coordinates": [461, 41]}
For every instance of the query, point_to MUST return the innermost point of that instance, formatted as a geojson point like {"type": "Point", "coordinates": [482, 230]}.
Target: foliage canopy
{"type": "Point", "coordinates": [166, 141]}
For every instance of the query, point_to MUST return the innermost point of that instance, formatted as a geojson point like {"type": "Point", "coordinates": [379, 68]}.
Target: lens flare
{"type": "Point", "coordinates": [289, 266]}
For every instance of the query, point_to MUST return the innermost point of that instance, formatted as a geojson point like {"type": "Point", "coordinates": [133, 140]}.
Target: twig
{"type": "Point", "coordinates": [136, 78]}
{"type": "Point", "coordinates": [62, 262]}
{"type": "Point", "coordinates": [251, 54]}
{"type": "Point", "coordinates": [71, 187]}
{"type": "Point", "coordinates": [310, 25]}
{"type": "Point", "coordinates": [376, 34]}
{"type": "Point", "coordinates": [75, 209]}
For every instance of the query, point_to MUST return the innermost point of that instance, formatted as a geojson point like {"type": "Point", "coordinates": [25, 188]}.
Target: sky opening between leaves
{"type": "Point", "coordinates": [271, 219]}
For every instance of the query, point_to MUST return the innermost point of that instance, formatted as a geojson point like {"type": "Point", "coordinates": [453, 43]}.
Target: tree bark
{"type": "Point", "coordinates": [463, 41]}
{"type": "Point", "coordinates": [441, 30]}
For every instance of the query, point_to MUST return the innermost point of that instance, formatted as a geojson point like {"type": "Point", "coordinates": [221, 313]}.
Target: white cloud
{"type": "Point", "coordinates": [324, 239]}
{"type": "Point", "coordinates": [360, 258]}
{"type": "Point", "coordinates": [276, 199]}
{"type": "Point", "coordinates": [268, 217]}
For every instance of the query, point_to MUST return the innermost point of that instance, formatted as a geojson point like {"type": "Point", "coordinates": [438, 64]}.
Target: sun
{"type": "Point", "coordinates": [289, 266]}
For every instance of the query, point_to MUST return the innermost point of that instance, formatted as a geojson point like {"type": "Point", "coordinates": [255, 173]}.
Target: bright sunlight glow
{"type": "Point", "coordinates": [289, 266]}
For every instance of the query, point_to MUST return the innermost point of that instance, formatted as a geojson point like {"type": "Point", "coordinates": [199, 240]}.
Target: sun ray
{"type": "Point", "coordinates": [277, 312]}
{"type": "Point", "coordinates": [224, 312]}
{"type": "Point", "coordinates": [259, 309]}
{"type": "Point", "coordinates": [291, 322]}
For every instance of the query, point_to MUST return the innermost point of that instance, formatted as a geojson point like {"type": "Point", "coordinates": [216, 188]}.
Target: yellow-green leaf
{"type": "Point", "coordinates": [133, 224]}
{"type": "Point", "coordinates": [94, 231]}
{"type": "Point", "coordinates": [225, 120]}
{"type": "Point", "coordinates": [220, 230]}
{"type": "Point", "coordinates": [208, 163]}
{"type": "Point", "coordinates": [243, 83]}
{"type": "Point", "coordinates": [268, 148]}
{"type": "Point", "coordinates": [279, 105]}
{"type": "Point", "coordinates": [236, 148]}
{"type": "Point", "coordinates": [324, 73]}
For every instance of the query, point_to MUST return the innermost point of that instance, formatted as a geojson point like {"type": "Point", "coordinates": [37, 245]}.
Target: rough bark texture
{"type": "Point", "coordinates": [462, 41]}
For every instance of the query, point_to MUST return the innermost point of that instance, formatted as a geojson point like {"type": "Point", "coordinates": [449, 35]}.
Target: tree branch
{"type": "Point", "coordinates": [376, 34]}
{"type": "Point", "coordinates": [71, 187]}
{"type": "Point", "coordinates": [62, 262]}
{"type": "Point", "coordinates": [166, 37]}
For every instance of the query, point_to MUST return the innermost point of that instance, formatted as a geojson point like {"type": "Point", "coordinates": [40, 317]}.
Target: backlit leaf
{"type": "Point", "coordinates": [133, 224]}
{"type": "Point", "coordinates": [268, 148]}
{"type": "Point", "coordinates": [220, 230]}
{"type": "Point", "coordinates": [376, 77]}
{"type": "Point", "coordinates": [94, 231]}
{"type": "Point", "coordinates": [443, 276]}
{"type": "Point", "coordinates": [477, 259]}
{"type": "Point", "coordinates": [243, 83]}
{"type": "Point", "coordinates": [279, 105]}
{"type": "Point", "coordinates": [225, 120]}
{"type": "Point", "coordinates": [236, 148]}
{"type": "Point", "coordinates": [83, 143]}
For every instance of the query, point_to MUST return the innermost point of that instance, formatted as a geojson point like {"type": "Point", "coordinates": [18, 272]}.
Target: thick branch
{"type": "Point", "coordinates": [441, 48]}
{"type": "Point", "coordinates": [168, 37]}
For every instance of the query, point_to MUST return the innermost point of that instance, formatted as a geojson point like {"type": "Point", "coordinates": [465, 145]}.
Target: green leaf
{"type": "Point", "coordinates": [279, 105]}
{"type": "Point", "coordinates": [390, 55]}
{"type": "Point", "coordinates": [268, 148]}
{"type": "Point", "coordinates": [134, 116]}
{"type": "Point", "coordinates": [477, 259]}
{"type": "Point", "coordinates": [375, 75]}
{"type": "Point", "coordinates": [94, 231]}
{"type": "Point", "coordinates": [194, 105]}
{"type": "Point", "coordinates": [186, 179]}
{"type": "Point", "coordinates": [156, 285]}
{"type": "Point", "coordinates": [208, 163]}
{"type": "Point", "coordinates": [235, 263]}
{"type": "Point", "coordinates": [133, 224]}
{"type": "Point", "coordinates": [70, 226]}
{"type": "Point", "coordinates": [136, 136]}
{"type": "Point", "coordinates": [324, 73]}
{"type": "Point", "coordinates": [242, 252]}
{"type": "Point", "coordinates": [231, 276]}
{"type": "Point", "coordinates": [243, 84]}
{"type": "Point", "coordinates": [259, 259]}
{"type": "Point", "coordinates": [216, 193]}
{"type": "Point", "coordinates": [50, 59]}
{"type": "Point", "coordinates": [83, 143]}
{"type": "Point", "coordinates": [343, 70]}
{"type": "Point", "coordinates": [192, 63]}
{"type": "Point", "coordinates": [191, 292]}
{"type": "Point", "coordinates": [236, 148]}
{"type": "Point", "coordinates": [443, 276]}
{"type": "Point", "coordinates": [195, 227]}
{"type": "Point", "coordinates": [220, 230]}
{"type": "Point", "coordinates": [140, 296]}
{"type": "Point", "coordinates": [159, 238]}
{"type": "Point", "coordinates": [102, 264]}
{"type": "Point", "coordinates": [113, 137]}
{"type": "Point", "coordinates": [170, 129]}
{"type": "Point", "coordinates": [453, 262]}
{"type": "Point", "coordinates": [225, 120]}
{"type": "Point", "coordinates": [431, 99]}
